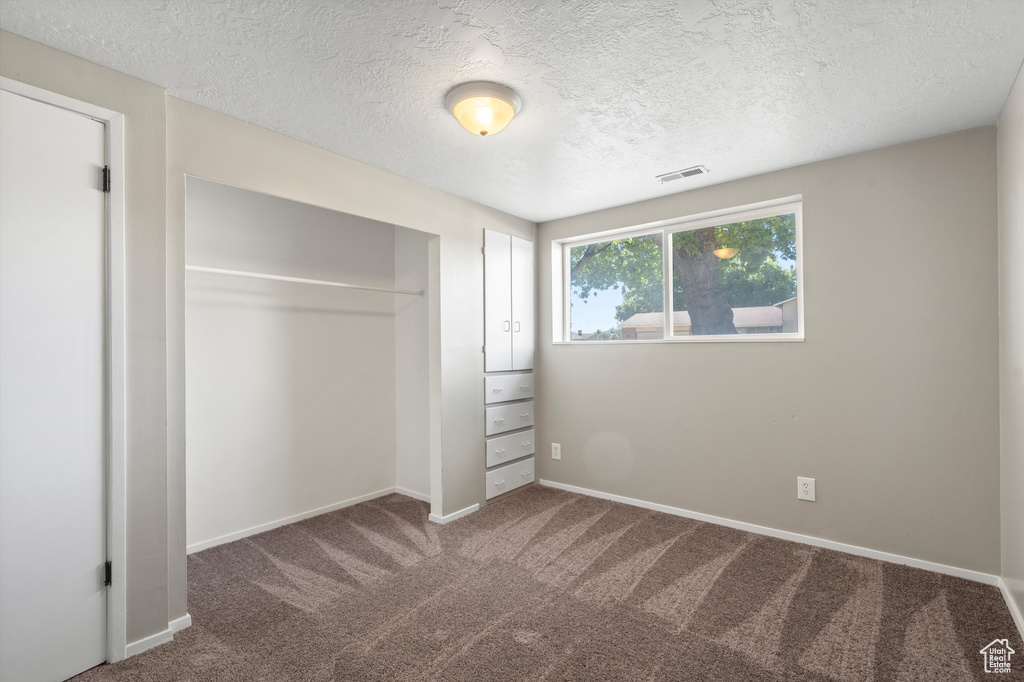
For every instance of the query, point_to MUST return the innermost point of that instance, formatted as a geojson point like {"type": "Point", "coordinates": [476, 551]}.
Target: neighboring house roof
{"type": "Point", "coordinates": [786, 301]}
{"type": "Point", "coordinates": [759, 316]}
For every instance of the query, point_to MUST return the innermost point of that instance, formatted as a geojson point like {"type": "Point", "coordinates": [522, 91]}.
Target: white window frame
{"type": "Point", "coordinates": [562, 291]}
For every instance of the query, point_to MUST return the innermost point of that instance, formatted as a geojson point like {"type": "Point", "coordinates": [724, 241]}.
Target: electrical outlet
{"type": "Point", "coordinates": [556, 451]}
{"type": "Point", "coordinates": [805, 488]}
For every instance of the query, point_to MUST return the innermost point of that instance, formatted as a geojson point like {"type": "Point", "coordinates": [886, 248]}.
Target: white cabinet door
{"type": "Point", "coordinates": [52, 403]}
{"type": "Point", "coordinates": [522, 304]}
{"type": "Point", "coordinates": [497, 301]}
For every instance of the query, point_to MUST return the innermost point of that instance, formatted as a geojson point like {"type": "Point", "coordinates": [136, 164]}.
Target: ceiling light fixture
{"type": "Point", "coordinates": [483, 108]}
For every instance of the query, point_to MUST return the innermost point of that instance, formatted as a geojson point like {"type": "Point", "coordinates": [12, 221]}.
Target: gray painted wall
{"type": "Point", "coordinates": [290, 388]}
{"type": "Point", "coordinates": [1011, 339]}
{"type": "Point", "coordinates": [891, 403]}
{"type": "Point", "coordinates": [145, 124]}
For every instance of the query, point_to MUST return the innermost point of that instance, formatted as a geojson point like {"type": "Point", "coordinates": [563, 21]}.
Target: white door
{"type": "Point", "coordinates": [52, 402]}
{"type": "Point", "coordinates": [522, 304]}
{"type": "Point", "coordinates": [497, 301]}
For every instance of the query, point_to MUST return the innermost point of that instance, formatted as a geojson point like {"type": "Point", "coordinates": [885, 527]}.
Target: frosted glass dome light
{"type": "Point", "coordinates": [481, 107]}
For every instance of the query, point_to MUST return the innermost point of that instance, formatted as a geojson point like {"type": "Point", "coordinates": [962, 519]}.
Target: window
{"type": "Point", "coordinates": [615, 279]}
{"type": "Point", "coordinates": [734, 276]}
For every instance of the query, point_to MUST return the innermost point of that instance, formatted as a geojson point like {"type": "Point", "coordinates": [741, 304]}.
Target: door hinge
{"type": "Point", "coordinates": [106, 179]}
{"type": "Point", "coordinates": [108, 571]}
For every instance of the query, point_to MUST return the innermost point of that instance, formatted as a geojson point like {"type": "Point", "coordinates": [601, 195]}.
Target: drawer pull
{"type": "Point", "coordinates": [524, 417]}
{"type": "Point", "coordinates": [518, 327]}
{"type": "Point", "coordinates": [499, 452]}
{"type": "Point", "coordinates": [508, 326]}
{"type": "Point", "coordinates": [525, 473]}
{"type": "Point", "coordinates": [524, 388]}
{"type": "Point", "coordinates": [498, 484]}
{"type": "Point", "coordinates": [525, 445]}
{"type": "Point", "coordinates": [496, 390]}
{"type": "Point", "coordinates": [499, 420]}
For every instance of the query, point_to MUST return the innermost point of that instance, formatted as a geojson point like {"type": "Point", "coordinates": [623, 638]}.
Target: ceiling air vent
{"type": "Point", "coordinates": [680, 174]}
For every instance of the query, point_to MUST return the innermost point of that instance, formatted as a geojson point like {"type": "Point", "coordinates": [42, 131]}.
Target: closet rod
{"type": "Point", "coordinates": [297, 280]}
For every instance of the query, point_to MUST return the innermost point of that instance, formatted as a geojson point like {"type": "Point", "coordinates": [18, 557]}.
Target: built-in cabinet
{"type": "Point", "coordinates": [508, 303]}
{"type": "Point", "coordinates": [509, 348]}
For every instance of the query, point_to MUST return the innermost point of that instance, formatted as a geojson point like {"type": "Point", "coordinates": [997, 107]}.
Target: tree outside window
{"type": "Point", "coordinates": [730, 278]}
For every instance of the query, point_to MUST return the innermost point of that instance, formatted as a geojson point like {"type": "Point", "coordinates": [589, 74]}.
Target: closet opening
{"type": "Point", "coordinates": [312, 362]}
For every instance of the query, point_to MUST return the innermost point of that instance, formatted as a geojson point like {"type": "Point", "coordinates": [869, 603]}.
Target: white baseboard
{"type": "Point", "coordinates": [231, 537]}
{"type": "Point", "coordinates": [422, 497]}
{"type": "Point", "coordinates": [1011, 603]}
{"type": "Point", "coordinates": [146, 643]}
{"type": "Point", "coordinates": [976, 576]}
{"type": "Point", "coordinates": [454, 515]}
{"type": "Point", "coordinates": [179, 624]}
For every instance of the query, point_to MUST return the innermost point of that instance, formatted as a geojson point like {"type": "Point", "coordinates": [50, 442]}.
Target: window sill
{"type": "Point", "coordinates": [738, 338]}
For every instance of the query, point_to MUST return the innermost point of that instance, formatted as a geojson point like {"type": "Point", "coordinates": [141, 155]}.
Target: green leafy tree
{"type": "Point", "coordinates": [631, 265]}
{"type": "Point", "coordinates": [704, 284]}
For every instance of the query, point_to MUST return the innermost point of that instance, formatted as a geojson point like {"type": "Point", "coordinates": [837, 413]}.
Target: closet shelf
{"type": "Point", "coordinates": [297, 280]}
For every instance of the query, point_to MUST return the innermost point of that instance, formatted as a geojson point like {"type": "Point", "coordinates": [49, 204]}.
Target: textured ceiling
{"type": "Point", "coordinates": [614, 92]}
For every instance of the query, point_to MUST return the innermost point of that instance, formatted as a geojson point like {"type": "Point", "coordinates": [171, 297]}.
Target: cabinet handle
{"type": "Point", "coordinates": [499, 452]}
{"type": "Point", "coordinates": [499, 420]}
{"type": "Point", "coordinates": [498, 484]}
{"type": "Point", "coordinates": [518, 327]}
{"type": "Point", "coordinates": [496, 390]}
{"type": "Point", "coordinates": [524, 417]}
{"type": "Point", "coordinates": [525, 473]}
{"type": "Point", "coordinates": [524, 387]}
{"type": "Point", "coordinates": [526, 444]}
{"type": "Point", "coordinates": [508, 325]}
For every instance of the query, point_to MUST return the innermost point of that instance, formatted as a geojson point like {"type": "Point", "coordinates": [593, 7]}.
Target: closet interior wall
{"type": "Point", "coordinates": [292, 389]}
{"type": "Point", "coordinates": [412, 364]}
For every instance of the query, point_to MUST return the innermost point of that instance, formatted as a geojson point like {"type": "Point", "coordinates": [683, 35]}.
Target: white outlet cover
{"type": "Point", "coordinates": [556, 451]}
{"type": "Point", "coordinates": [805, 489]}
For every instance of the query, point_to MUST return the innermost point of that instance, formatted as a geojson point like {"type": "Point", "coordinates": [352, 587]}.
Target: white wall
{"type": "Point", "coordinates": [412, 364]}
{"type": "Point", "coordinates": [1011, 339]}
{"type": "Point", "coordinates": [891, 403]}
{"type": "Point", "coordinates": [290, 389]}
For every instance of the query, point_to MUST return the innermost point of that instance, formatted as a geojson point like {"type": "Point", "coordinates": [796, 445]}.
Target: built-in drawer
{"type": "Point", "coordinates": [507, 417]}
{"type": "Point", "coordinates": [509, 477]}
{"type": "Point", "coordinates": [501, 389]}
{"type": "Point", "coordinates": [507, 448]}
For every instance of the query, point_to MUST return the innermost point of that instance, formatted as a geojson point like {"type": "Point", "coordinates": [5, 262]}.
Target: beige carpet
{"type": "Point", "coordinates": [549, 585]}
